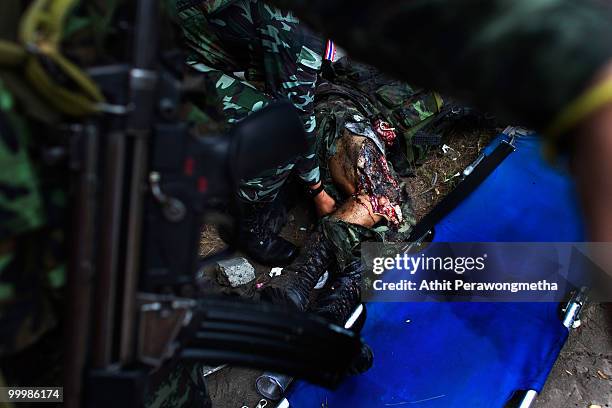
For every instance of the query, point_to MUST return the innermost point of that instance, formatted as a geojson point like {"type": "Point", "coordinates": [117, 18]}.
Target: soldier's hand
{"type": "Point", "coordinates": [324, 203]}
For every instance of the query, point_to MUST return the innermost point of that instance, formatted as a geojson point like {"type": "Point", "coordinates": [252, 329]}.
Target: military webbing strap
{"type": "Point", "coordinates": [40, 33]}
{"type": "Point", "coordinates": [361, 101]}
{"type": "Point", "coordinates": [32, 105]}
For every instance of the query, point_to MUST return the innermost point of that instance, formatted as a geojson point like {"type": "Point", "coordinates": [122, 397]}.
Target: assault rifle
{"type": "Point", "coordinates": [145, 180]}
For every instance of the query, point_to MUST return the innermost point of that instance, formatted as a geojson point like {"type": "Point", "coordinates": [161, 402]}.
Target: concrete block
{"type": "Point", "coordinates": [235, 272]}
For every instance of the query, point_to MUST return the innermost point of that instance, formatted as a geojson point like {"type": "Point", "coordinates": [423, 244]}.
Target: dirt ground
{"type": "Point", "coordinates": [582, 375]}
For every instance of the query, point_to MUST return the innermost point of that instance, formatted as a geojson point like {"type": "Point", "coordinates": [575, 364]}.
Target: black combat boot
{"type": "Point", "coordinates": [363, 362]}
{"type": "Point", "coordinates": [338, 302]}
{"type": "Point", "coordinates": [294, 286]}
{"type": "Point", "coordinates": [257, 238]}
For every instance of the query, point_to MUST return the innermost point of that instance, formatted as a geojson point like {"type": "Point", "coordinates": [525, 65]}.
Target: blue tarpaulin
{"type": "Point", "coordinates": [473, 355]}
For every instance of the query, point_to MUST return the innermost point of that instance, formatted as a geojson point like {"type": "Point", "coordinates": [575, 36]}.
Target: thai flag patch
{"type": "Point", "coordinates": [330, 51]}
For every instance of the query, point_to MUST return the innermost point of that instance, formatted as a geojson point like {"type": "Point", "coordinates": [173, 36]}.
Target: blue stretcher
{"type": "Point", "coordinates": [489, 355]}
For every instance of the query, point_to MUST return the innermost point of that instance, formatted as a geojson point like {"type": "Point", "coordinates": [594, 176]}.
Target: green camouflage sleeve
{"type": "Point", "coordinates": [235, 99]}
{"type": "Point", "coordinates": [270, 45]}
{"type": "Point", "coordinates": [292, 59]}
{"type": "Point", "coordinates": [525, 60]}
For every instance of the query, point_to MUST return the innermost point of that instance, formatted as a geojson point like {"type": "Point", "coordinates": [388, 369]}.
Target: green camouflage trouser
{"type": "Point", "coordinates": [280, 60]}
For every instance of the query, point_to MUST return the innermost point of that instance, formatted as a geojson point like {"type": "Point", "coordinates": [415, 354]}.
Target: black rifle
{"type": "Point", "coordinates": [145, 181]}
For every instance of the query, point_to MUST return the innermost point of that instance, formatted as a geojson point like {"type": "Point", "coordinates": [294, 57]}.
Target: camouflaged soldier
{"type": "Point", "coordinates": [361, 116]}
{"type": "Point", "coordinates": [279, 59]}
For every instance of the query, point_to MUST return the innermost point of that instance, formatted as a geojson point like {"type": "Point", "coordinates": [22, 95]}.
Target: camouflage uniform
{"type": "Point", "coordinates": [352, 101]}
{"type": "Point", "coordinates": [280, 60]}
{"type": "Point", "coordinates": [361, 114]}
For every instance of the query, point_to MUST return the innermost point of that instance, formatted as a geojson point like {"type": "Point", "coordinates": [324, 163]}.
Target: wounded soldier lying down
{"type": "Point", "coordinates": [361, 116]}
